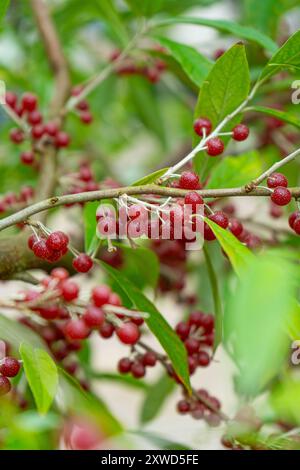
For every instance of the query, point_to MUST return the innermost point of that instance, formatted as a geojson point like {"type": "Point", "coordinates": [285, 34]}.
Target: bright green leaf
{"type": "Point", "coordinates": [284, 400]}
{"type": "Point", "coordinates": [141, 266]}
{"type": "Point", "coordinates": [15, 333]}
{"type": "Point", "coordinates": [283, 116]}
{"type": "Point", "coordinates": [108, 11]}
{"type": "Point", "coordinates": [150, 178]}
{"type": "Point", "coordinates": [155, 398]}
{"type": "Point", "coordinates": [42, 376]}
{"type": "Point", "coordinates": [3, 9]}
{"type": "Point", "coordinates": [90, 225]}
{"type": "Point", "coordinates": [157, 324]}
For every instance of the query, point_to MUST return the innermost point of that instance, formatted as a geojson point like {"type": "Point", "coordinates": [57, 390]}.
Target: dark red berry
{"type": "Point", "coordinates": [76, 330]}
{"type": "Point", "coordinates": [240, 132]}
{"type": "Point", "coordinates": [220, 218]}
{"type": "Point", "coordinates": [235, 227]}
{"type": "Point", "coordinates": [51, 129]}
{"type": "Point", "coordinates": [208, 323]}
{"type": "Point", "coordinates": [183, 330]}
{"type": "Point", "coordinates": [202, 123]}
{"type": "Point", "coordinates": [149, 359]}
{"type": "Point", "coordinates": [100, 295]}
{"type": "Point", "coordinates": [57, 241]}
{"type": "Point", "coordinates": [196, 318]}
{"type": "Point", "coordinates": [215, 146]}
{"type": "Point", "coordinates": [31, 241]}
{"type": "Point", "coordinates": [69, 290]}
{"type": "Point", "coordinates": [295, 215]}
{"type": "Point", "coordinates": [296, 226]}
{"type": "Point", "coordinates": [183, 407]}
{"type": "Point", "coordinates": [37, 131]}
{"type": "Point", "coordinates": [192, 345]}
{"type": "Point", "coordinates": [49, 312]}
{"type": "Point", "coordinates": [82, 263]}
{"type": "Point", "coordinates": [281, 196]}
{"type": "Point", "coordinates": [128, 333]}
{"type": "Point", "coordinates": [35, 118]}
{"type": "Point", "coordinates": [62, 139]}
{"type": "Point", "coordinates": [203, 359]}
{"type": "Point", "coordinates": [194, 199]}
{"type": "Point", "coordinates": [5, 385]}
{"type": "Point", "coordinates": [27, 157]}
{"type": "Point", "coordinates": [124, 365]}
{"type": "Point", "coordinates": [29, 102]}
{"type": "Point", "coordinates": [277, 179]}
{"type": "Point", "coordinates": [11, 99]}
{"type": "Point", "coordinates": [138, 370]}
{"type": "Point", "coordinates": [40, 249]}
{"type": "Point", "coordinates": [16, 136]}
{"type": "Point", "coordinates": [94, 317]}
{"type": "Point", "coordinates": [189, 180]}
{"type": "Point", "coordinates": [86, 117]}
{"type": "Point", "coordinates": [9, 367]}
{"type": "Point", "coordinates": [106, 330]}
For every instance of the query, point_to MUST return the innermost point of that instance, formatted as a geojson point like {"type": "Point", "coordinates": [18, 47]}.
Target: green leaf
{"type": "Point", "coordinates": [225, 88]}
{"type": "Point", "coordinates": [242, 32]}
{"type": "Point", "coordinates": [236, 171]}
{"type": "Point", "coordinates": [194, 64]}
{"type": "Point", "coordinates": [218, 307]}
{"type": "Point", "coordinates": [256, 314]}
{"type": "Point", "coordinates": [3, 9]}
{"type": "Point", "coordinates": [146, 7]}
{"type": "Point", "coordinates": [155, 398]}
{"type": "Point", "coordinates": [126, 380]}
{"type": "Point", "coordinates": [265, 15]}
{"type": "Point", "coordinates": [108, 11]}
{"type": "Point", "coordinates": [287, 57]}
{"type": "Point", "coordinates": [150, 178]}
{"type": "Point", "coordinates": [141, 266]}
{"type": "Point", "coordinates": [283, 116]}
{"type": "Point", "coordinates": [90, 225]}
{"type": "Point", "coordinates": [160, 441]}
{"type": "Point", "coordinates": [42, 376]}
{"type": "Point", "coordinates": [15, 333]}
{"type": "Point", "coordinates": [157, 324]}
{"type": "Point", "coordinates": [284, 399]}
{"type": "Point", "coordinates": [239, 255]}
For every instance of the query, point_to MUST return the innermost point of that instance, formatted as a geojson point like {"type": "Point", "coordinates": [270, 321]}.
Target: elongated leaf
{"type": "Point", "coordinates": [256, 315]}
{"type": "Point", "coordinates": [236, 171]}
{"type": "Point", "coordinates": [284, 399]}
{"type": "Point", "coordinates": [265, 15]}
{"type": "Point", "coordinates": [126, 380]}
{"type": "Point", "coordinates": [160, 441]}
{"type": "Point", "coordinates": [3, 9]}
{"type": "Point", "coordinates": [225, 88]}
{"type": "Point", "coordinates": [42, 375]}
{"type": "Point", "coordinates": [157, 324]}
{"type": "Point", "coordinates": [242, 32]}
{"type": "Point", "coordinates": [239, 255]}
{"type": "Point", "coordinates": [155, 398]}
{"type": "Point", "coordinates": [146, 7]}
{"type": "Point", "coordinates": [141, 266]}
{"type": "Point", "coordinates": [108, 11]}
{"type": "Point", "coordinates": [90, 224]}
{"type": "Point", "coordinates": [195, 65]}
{"type": "Point", "coordinates": [283, 116]}
{"type": "Point", "coordinates": [287, 57]}
{"type": "Point", "coordinates": [15, 333]}
{"type": "Point", "coordinates": [150, 178]}
{"type": "Point", "coordinates": [218, 307]}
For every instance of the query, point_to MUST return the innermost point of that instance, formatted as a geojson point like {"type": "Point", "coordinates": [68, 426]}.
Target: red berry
{"type": "Point", "coordinates": [277, 179]}
{"type": "Point", "coordinates": [183, 407]}
{"type": "Point", "coordinates": [183, 330]}
{"type": "Point", "coordinates": [153, 75]}
{"type": "Point", "coordinates": [93, 316]}
{"type": "Point", "coordinates": [100, 295]}
{"type": "Point", "coordinates": [189, 180]}
{"type": "Point", "coordinates": [192, 345]}
{"type": "Point", "coordinates": [196, 318]}
{"type": "Point", "coordinates": [61, 274]}
{"type": "Point", "coordinates": [76, 330]}
{"type": "Point", "coordinates": [296, 226]}
{"type": "Point", "coordinates": [62, 139]}
{"type": "Point", "coordinates": [138, 370]}
{"type": "Point", "coordinates": [236, 227]}
{"type": "Point", "coordinates": [11, 99]}
{"type": "Point", "coordinates": [83, 105]}
{"type": "Point", "coordinates": [114, 299]}
{"type": "Point", "coordinates": [193, 199]}
{"type": "Point", "coordinates": [27, 157]}
{"type": "Point", "coordinates": [128, 333]}
{"type": "Point", "coordinates": [293, 217]}
{"type": "Point", "coordinates": [57, 241]}
{"type": "Point", "coordinates": [51, 129]}
{"type": "Point", "coordinates": [29, 102]}
{"type": "Point", "coordinates": [203, 359]}
{"type": "Point", "coordinates": [82, 263]}
{"type": "Point", "coordinates": [202, 123]}
{"type": "Point", "coordinates": [9, 367]}
{"type": "Point", "coordinates": [16, 136]}
{"type": "Point", "coordinates": [106, 330]}
{"type": "Point", "coordinates": [86, 117]}
{"type": "Point", "coordinates": [85, 173]}
{"type": "Point", "coordinates": [281, 196]}
{"type": "Point", "coordinates": [240, 132]}
{"type": "Point", "coordinates": [76, 90]}
{"type": "Point", "coordinates": [31, 241]}
{"type": "Point", "coordinates": [215, 146]}
{"type": "Point", "coordinates": [209, 235]}
{"type": "Point", "coordinates": [35, 118]}
{"type": "Point", "coordinates": [5, 385]}
{"type": "Point", "coordinates": [37, 131]}
{"type": "Point", "coordinates": [124, 365]}
{"type": "Point", "coordinates": [208, 323]}
{"type": "Point", "coordinates": [26, 193]}
{"type": "Point", "coordinates": [69, 290]}
{"type": "Point", "coordinates": [220, 218]}
{"type": "Point", "coordinates": [49, 312]}
{"type": "Point", "coordinates": [40, 249]}
{"type": "Point", "coordinates": [149, 359]}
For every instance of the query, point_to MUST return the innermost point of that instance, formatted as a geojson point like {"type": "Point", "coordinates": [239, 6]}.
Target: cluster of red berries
{"type": "Point", "coordinates": [82, 181]}
{"type": "Point", "coordinates": [215, 145]}
{"type": "Point", "coordinates": [83, 107]}
{"type": "Point", "coordinates": [201, 406]}
{"type": "Point", "coordinates": [52, 247]}
{"type": "Point", "coordinates": [280, 196]}
{"type": "Point", "coordinates": [10, 200]}
{"type": "Point", "coordinates": [50, 131]}
{"type": "Point", "coordinates": [137, 364]}
{"type": "Point", "coordinates": [294, 222]}
{"type": "Point", "coordinates": [9, 367]}
{"type": "Point", "coordinates": [152, 73]}
{"type": "Point", "coordinates": [197, 334]}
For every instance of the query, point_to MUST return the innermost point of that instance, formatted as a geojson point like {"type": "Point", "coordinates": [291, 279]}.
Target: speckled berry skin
{"type": "Point", "coordinates": [281, 196]}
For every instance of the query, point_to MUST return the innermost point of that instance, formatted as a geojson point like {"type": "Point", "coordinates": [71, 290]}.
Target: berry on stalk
{"type": "Point", "coordinates": [215, 146]}
{"type": "Point", "coordinates": [202, 124]}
